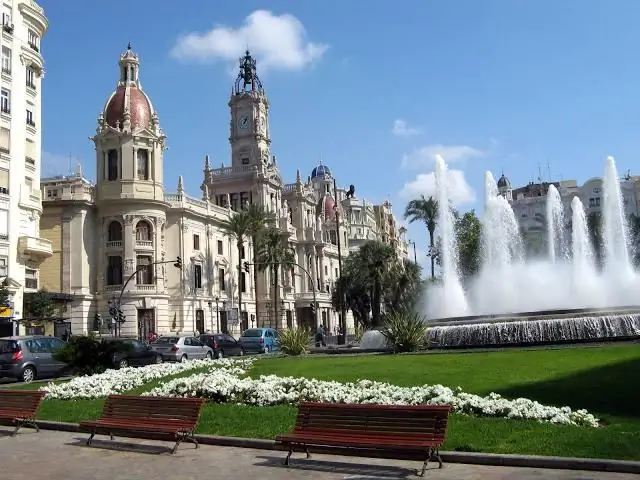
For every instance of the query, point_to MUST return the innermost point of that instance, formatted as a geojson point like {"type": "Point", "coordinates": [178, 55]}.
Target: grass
{"type": "Point", "coordinates": [601, 379]}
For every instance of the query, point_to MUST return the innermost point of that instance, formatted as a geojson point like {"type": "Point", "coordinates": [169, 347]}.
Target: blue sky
{"type": "Point", "coordinates": [373, 88]}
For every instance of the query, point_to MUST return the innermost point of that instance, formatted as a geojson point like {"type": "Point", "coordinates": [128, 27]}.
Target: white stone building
{"type": "Point", "coordinates": [21, 247]}
{"type": "Point", "coordinates": [103, 234]}
{"type": "Point", "coordinates": [529, 204]}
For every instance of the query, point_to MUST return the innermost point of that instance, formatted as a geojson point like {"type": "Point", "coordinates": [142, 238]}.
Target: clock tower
{"type": "Point", "coordinates": [249, 128]}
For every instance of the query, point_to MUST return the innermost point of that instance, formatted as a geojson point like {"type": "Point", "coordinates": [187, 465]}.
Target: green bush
{"type": "Point", "coordinates": [88, 354]}
{"type": "Point", "coordinates": [404, 330]}
{"type": "Point", "coordinates": [295, 341]}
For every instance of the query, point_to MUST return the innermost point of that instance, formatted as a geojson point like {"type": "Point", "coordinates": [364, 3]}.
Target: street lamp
{"type": "Point", "coordinates": [210, 313]}
{"type": "Point", "coordinates": [342, 337]}
{"type": "Point", "coordinates": [415, 256]}
{"type": "Point", "coordinates": [217, 315]}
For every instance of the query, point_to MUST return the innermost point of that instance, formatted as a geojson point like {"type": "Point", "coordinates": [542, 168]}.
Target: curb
{"type": "Point", "coordinates": [471, 458]}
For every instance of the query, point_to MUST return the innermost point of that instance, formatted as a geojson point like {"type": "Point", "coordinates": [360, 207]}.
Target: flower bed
{"type": "Point", "coordinates": [230, 386]}
{"type": "Point", "coordinates": [118, 381]}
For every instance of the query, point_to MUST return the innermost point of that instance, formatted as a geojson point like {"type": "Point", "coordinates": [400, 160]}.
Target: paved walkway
{"type": "Point", "coordinates": [56, 455]}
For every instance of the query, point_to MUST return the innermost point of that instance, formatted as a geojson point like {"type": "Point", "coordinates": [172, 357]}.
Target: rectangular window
{"type": "Point", "coordinates": [5, 100]}
{"type": "Point", "coordinates": [112, 165]}
{"type": "Point", "coordinates": [220, 249]}
{"type": "Point", "coordinates": [30, 151]}
{"type": "Point", "coordinates": [30, 278]}
{"type": "Point", "coordinates": [4, 225]}
{"type": "Point", "coordinates": [3, 267]}
{"type": "Point", "coordinates": [30, 121]}
{"type": "Point", "coordinates": [143, 164]}
{"type": "Point", "coordinates": [243, 282]}
{"type": "Point", "coordinates": [33, 40]}
{"type": "Point", "coordinates": [6, 60]}
{"type": "Point", "coordinates": [242, 253]}
{"type": "Point", "coordinates": [31, 78]}
{"type": "Point", "coordinates": [145, 270]}
{"type": "Point", "coordinates": [197, 276]}
{"type": "Point", "coordinates": [28, 183]}
{"type": "Point", "coordinates": [234, 201]}
{"type": "Point", "coordinates": [5, 140]}
{"type": "Point", "coordinates": [245, 199]}
{"type": "Point", "coordinates": [114, 270]}
{"type": "Point", "coordinates": [196, 242]}
{"type": "Point", "coordinates": [4, 181]}
{"type": "Point", "coordinates": [221, 279]}
{"type": "Point", "coordinates": [6, 17]}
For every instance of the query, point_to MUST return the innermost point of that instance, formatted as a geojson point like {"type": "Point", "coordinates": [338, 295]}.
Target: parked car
{"type": "Point", "coordinates": [223, 345]}
{"type": "Point", "coordinates": [26, 358]}
{"type": "Point", "coordinates": [260, 340]}
{"type": "Point", "coordinates": [134, 353]}
{"type": "Point", "coordinates": [179, 349]}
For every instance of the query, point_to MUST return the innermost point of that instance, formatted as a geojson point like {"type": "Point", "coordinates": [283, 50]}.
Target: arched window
{"type": "Point", "coordinates": [115, 232]}
{"type": "Point", "coordinates": [143, 231]}
{"type": "Point", "coordinates": [112, 165]}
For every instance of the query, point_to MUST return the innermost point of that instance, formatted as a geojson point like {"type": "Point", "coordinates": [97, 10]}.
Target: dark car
{"type": "Point", "coordinates": [134, 353]}
{"type": "Point", "coordinates": [222, 344]}
{"type": "Point", "coordinates": [26, 358]}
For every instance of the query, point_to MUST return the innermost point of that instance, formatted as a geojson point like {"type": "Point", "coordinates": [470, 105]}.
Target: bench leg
{"type": "Point", "coordinates": [306, 450]}
{"type": "Point", "coordinates": [286, 460]}
{"type": "Point", "coordinates": [93, 434]}
{"type": "Point", "coordinates": [436, 454]}
{"type": "Point", "coordinates": [422, 471]}
{"type": "Point", "coordinates": [19, 425]}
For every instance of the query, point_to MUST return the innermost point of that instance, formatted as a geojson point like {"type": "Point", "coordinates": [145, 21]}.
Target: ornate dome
{"type": "Point", "coordinates": [129, 99]}
{"type": "Point", "coordinates": [321, 171]}
{"type": "Point", "coordinates": [326, 207]}
{"type": "Point", "coordinates": [503, 182]}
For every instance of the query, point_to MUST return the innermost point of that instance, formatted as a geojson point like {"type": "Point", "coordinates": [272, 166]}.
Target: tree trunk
{"type": "Point", "coordinates": [433, 260]}
{"type": "Point", "coordinates": [375, 304]}
{"type": "Point", "coordinates": [240, 246]}
{"type": "Point", "coordinates": [276, 268]}
{"type": "Point", "coordinates": [254, 247]}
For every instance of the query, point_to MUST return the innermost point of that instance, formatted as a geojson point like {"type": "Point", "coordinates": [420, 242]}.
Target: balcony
{"type": "Point", "coordinates": [145, 287]}
{"type": "Point", "coordinates": [144, 244]}
{"type": "Point", "coordinates": [8, 28]}
{"type": "Point", "coordinates": [35, 246]}
{"type": "Point", "coordinates": [114, 244]}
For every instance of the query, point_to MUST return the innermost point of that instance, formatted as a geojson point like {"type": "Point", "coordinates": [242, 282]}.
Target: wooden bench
{"type": "Point", "coordinates": [173, 418]}
{"type": "Point", "coordinates": [19, 407]}
{"type": "Point", "coordinates": [390, 431]}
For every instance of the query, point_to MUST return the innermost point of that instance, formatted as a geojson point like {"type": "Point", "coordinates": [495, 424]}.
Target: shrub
{"type": "Point", "coordinates": [404, 330]}
{"type": "Point", "coordinates": [295, 341]}
{"type": "Point", "coordinates": [88, 354]}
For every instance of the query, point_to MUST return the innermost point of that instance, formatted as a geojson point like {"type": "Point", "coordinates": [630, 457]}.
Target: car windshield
{"type": "Point", "coordinates": [9, 346]}
{"type": "Point", "coordinates": [167, 340]}
{"type": "Point", "coordinates": [254, 332]}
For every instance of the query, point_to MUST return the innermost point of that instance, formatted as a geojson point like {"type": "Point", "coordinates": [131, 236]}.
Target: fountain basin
{"type": "Point", "coordinates": [528, 331]}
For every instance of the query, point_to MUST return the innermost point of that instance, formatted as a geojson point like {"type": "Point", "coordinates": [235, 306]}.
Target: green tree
{"type": "Point", "coordinates": [356, 292]}
{"type": "Point", "coordinates": [425, 210]}
{"type": "Point", "coordinates": [5, 294]}
{"type": "Point", "coordinates": [468, 230]}
{"type": "Point", "coordinates": [41, 305]}
{"type": "Point", "coordinates": [275, 254]}
{"type": "Point", "coordinates": [259, 220]}
{"type": "Point", "coordinates": [239, 227]}
{"type": "Point", "coordinates": [403, 286]}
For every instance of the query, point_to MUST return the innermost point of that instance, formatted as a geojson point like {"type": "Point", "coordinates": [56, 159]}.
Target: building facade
{"type": "Point", "coordinates": [22, 249]}
{"type": "Point", "coordinates": [123, 235]}
{"type": "Point", "coordinates": [529, 204]}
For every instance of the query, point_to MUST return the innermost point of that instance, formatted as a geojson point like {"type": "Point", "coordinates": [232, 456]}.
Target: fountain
{"type": "Point", "coordinates": [564, 297]}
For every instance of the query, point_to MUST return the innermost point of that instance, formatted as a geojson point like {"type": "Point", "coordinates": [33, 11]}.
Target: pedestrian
{"type": "Point", "coordinates": [320, 336]}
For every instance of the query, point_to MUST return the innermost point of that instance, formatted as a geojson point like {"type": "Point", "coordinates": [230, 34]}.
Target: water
{"type": "Point", "coordinates": [566, 278]}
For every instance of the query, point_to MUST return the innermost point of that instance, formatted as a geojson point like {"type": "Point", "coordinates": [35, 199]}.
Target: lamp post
{"type": "Point", "coordinates": [342, 337]}
{"type": "Point", "coordinates": [415, 256]}
{"type": "Point", "coordinates": [210, 314]}
{"type": "Point", "coordinates": [217, 315]}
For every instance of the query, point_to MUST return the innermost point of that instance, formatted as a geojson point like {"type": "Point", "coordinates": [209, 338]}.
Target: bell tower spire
{"type": "Point", "coordinates": [249, 134]}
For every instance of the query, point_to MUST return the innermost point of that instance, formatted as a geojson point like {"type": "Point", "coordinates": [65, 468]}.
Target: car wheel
{"type": "Point", "coordinates": [220, 354]}
{"type": "Point", "coordinates": [267, 349]}
{"type": "Point", "coordinates": [159, 359]}
{"type": "Point", "coordinates": [28, 374]}
{"type": "Point", "coordinates": [123, 363]}
{"type": "Point", "coordinates": [209, 355]}
{"type": "Point", "coordinates": [183, 358]}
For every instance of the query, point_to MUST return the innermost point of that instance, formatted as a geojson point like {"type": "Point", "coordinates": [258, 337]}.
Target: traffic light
{"type": "Point", "coordinates": [121, 316]}
{"type": "Point", "coordinates": [246, 267]}
{"type": "Point", "coordinates": [313, 307]}
{"type": "Point", "coordinates": [178, 263]}
{"type": "Point", "coordinates": [113, 311]}
{"type": "Point", "coordinates": [98, 321]}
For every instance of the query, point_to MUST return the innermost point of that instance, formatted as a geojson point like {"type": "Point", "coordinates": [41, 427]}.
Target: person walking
{"type": "Point", "coordinates": [320, 336]}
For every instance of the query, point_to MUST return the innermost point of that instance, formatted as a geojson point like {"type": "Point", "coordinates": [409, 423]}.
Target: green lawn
{"type": "Point", "coordinates": [600, 379]}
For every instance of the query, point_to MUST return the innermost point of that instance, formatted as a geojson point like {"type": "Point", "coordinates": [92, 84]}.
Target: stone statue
{"type": "Point", "coordinates": [320, 223]}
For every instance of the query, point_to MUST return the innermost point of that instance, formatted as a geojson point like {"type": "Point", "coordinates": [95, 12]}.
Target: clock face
{"type": "Point", "coordinates": [243, 122]}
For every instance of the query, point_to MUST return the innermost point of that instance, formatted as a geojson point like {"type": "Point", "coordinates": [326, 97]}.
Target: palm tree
{"type": "Point", "coordinates": [425, 210]}
{"type": "Point", "coordinates": [274, 253]}
{"type": "Point", "coordinates": [259, 219]}
{"type": "Point", "coordinates": [375, 259]}
{"type": "Point", "coordinates": [238, 227]}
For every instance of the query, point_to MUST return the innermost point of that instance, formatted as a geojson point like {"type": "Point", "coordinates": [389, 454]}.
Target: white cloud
{"type": "Point", "coordinates": [277, 41]}
{"type": "Point", "coordinates": [402, 129]}
{"type": "Point", "coordinates": [460, 192]}
{"type": "Point", "coordinates": [425, 156]}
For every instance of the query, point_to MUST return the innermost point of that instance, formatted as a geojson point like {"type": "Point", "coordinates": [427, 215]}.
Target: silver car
{"type": "Point", "coordinates": [29, 357]}
{"type": "Point", "coordinates": [179, 349]}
